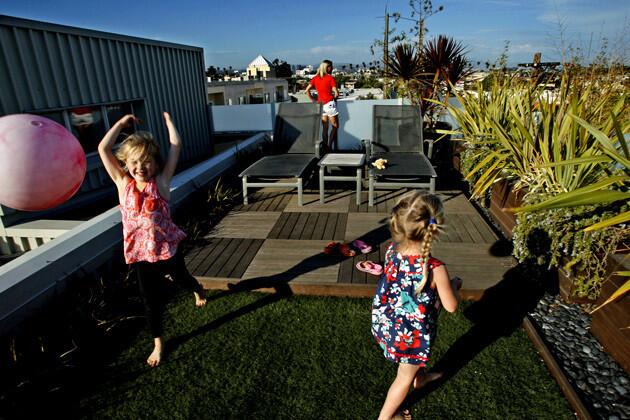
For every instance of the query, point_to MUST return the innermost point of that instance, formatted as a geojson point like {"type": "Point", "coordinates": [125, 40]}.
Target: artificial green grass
{"type": "Point", "coordinates": [249, 356]}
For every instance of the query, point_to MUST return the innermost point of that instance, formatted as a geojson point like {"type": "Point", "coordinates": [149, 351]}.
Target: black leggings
{"type": "Point", "coordinates": [152, 284]}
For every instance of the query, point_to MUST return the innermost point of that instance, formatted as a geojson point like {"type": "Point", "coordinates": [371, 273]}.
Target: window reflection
{"type": "Point", "coordinates": [87, 126]}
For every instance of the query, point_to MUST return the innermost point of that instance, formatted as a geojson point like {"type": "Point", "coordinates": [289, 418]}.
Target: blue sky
{"type": "Point", "coordinates": [304, 32]}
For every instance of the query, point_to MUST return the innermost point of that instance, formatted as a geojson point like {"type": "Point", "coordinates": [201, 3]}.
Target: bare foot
{"type": "Point", "coordinates": [422, 379]}
{"type": "Point", "coordinates": [199, 300]}
{"type": "Point", "coordinates": [402, 415]}
{"type": "Point", "coordinates": [155, 356]}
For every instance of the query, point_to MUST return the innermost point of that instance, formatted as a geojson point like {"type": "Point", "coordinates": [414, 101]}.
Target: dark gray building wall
{"type": "Point", "coordinates": [49, 68]}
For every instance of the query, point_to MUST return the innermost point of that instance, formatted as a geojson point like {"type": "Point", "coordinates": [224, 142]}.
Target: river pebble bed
{"type": "Point", "coordinates": [602, 384]}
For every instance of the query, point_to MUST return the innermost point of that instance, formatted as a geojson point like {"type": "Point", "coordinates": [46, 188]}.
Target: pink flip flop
{"type": "Point", "coordinates": [362, 246]}
{"type": "Point", "coordinates": [370, 268]}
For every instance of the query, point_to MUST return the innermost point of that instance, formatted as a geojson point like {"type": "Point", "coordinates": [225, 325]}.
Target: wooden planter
{"type": "Point", "coordinates": [609, 322]}
{"type": "Point", "coordinates": [504, 197]}
{"type": "Point", "coordinates": [567, 289]}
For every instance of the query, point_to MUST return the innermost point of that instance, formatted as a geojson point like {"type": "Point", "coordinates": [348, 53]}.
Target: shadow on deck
{"type": "Point", "coordinates": [272, 242]}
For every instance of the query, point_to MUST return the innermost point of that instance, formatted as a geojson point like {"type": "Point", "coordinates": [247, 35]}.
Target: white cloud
{"type": "Point", "coordinates": [329, 37]}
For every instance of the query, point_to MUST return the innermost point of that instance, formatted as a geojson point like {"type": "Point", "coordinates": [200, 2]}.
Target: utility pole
{"type": "Point", "coordinates": [386, 56]}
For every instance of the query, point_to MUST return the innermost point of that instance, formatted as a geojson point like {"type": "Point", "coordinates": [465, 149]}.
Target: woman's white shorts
{"type": "Point", "coordinates": [330, 109]}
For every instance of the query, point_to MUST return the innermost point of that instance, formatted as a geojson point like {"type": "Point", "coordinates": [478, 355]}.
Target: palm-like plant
{"type": "Point", "coordinates": [444, 64]}
{"type": "Point", "coordinates": [405, 66]}
{"type": "Point", "coordinates": [444, 60]}
{"type": "Point", "coordinates": [429, 73]}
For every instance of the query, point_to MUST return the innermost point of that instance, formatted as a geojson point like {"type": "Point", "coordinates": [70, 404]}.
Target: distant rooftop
{"type": "Point", "coordinates": [260, 61]}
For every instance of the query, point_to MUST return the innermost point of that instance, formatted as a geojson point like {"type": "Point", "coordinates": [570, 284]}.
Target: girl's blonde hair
{"type": "Point", "coordinates": [417, 217]}
{"type": "Point", "coordinates": [140, 143]}
{"type": "Point", "coordinates": [321, 71]}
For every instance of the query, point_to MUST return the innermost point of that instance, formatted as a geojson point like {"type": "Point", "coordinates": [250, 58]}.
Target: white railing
{"type": "Point", "coordinates": [30, 281]}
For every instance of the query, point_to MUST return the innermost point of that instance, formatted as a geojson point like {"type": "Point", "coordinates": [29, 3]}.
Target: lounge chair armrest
{"type": "Point", "coordinates": [367, 146]}
{"type": "Point", "coordinates": [430, 151]}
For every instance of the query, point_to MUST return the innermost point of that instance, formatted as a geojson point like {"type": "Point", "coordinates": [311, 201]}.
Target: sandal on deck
{"type": "Point", "coordinates": [370, 268]}
{"type": "Point", "coordinates": [331, 248]}
{"type": "Point", "coordinates": [337, 248]}
{"type": "Point", "coordinates": [362, 246]}
{"type": "Point", "coordinates": [346, 251]}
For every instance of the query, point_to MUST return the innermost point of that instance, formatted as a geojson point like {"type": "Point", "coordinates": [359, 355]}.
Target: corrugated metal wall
{"type": "Point", "coordinates": [46, 67]}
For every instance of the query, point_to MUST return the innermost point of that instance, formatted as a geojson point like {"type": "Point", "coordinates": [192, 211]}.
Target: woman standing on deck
{"type": "Point", "coordinates": [327, 95]}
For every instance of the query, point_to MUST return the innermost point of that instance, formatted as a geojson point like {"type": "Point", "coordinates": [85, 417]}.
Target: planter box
{"type": "Point", "coordinates": [566, 289]}
{"type": "Point", "coordinates": [609, 322]}
{"type": "Point", "coordinates": [504, 197]}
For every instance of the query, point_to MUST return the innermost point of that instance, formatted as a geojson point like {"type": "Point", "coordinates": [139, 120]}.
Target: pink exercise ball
{"type": "Point", "coordinates": [42, 164]}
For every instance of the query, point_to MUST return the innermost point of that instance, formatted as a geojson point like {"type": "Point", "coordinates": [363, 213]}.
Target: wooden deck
{"type": "Point", "coordinates": [273, 242]}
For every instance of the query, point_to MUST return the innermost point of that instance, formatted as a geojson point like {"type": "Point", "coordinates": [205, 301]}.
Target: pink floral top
{"type": "Point", "coordinates": [149, 234]}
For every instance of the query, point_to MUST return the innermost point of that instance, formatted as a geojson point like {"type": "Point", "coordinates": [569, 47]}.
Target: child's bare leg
{"type": "Point", "coordinates": [199, 300]}
{"type": "Point", "coordinates": [156, 354]}
{"type": "Point", "coordinates": [422, 378]}
{"type": "Point", "coordinates": [398, 390]}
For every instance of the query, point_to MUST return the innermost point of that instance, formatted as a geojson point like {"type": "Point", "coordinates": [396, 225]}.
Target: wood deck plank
{"type": "Point", "coordinates": [216, 249]}
{"type": "Point", "coordinates": [276, 202]}
{"type": "Point", "coordinates": [288, 226]}
{"type": "Point", "coordinates": [277, 228]}
{"type": "Point", "coordinates": [460, 228]}
{"type": "Point", "coordinates": [246, 258]}
{"type": "Point", "coordinates": [318, 231]}
{"type": "Point", "coordinates": [192, 254]}
{"type": "Point", "coordinates": [470, 227]}
{"type": "Point", "coordinates": [331, 224]}
{"type": "Point", "coordinates": [300, 224]}
{"type": "Point", "coordinates": [340, 228]}
{"type": "Point", "coordinates": [229, 264]}
{"type": "Point", "coordinates": [484, 230]}
{"type": "Point", "coordinates": [222, 257]}
{"type": "Point", "coordinates": [201, 256]}
{"type": "Point", "coordinates": [311, 221]}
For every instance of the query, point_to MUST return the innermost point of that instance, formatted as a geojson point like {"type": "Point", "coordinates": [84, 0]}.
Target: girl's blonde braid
{"type": "Point", "coordinates": [430, 232]}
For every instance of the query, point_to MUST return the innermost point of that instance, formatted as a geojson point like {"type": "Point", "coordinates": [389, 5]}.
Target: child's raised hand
{"type": "Point", "coordinates": [167, 117]}
{"type": "Point", "coordinates": [128, 120]}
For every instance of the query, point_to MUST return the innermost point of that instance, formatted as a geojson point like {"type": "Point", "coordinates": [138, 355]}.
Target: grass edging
{"type": "Point", "coordinates": [556, 371]}
{"type": "Point", "coordinates": [323, 289]}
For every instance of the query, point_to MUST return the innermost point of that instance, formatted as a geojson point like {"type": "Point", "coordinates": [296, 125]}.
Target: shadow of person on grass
{"type": "Point", "coordinates": [499, 312]}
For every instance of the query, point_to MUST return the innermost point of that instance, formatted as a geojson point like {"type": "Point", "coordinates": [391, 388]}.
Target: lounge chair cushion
{"type": "Point", "coordinates": [404, 165]}
{"type": "Point", "coordinates": [280, 166]}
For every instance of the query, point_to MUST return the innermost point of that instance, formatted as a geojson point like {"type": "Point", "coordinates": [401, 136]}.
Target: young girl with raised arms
{"type": "Point", "coordinates": [150, 238]}
{"type": "Point", "coordinates": [406, 305]}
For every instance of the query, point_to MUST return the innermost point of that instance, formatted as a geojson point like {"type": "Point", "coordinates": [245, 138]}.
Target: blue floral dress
{"type": "Point", "coordinates": [404, 322]}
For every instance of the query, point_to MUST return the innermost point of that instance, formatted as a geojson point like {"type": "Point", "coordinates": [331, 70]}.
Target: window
{"type": "Point", "coordinates": [117, 111]}
{"type": "Point", "coordinates": [90, 123]}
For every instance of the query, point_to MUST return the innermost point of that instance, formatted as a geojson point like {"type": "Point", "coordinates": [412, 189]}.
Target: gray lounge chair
{"type": "Point", "coordinates": [296, 148]}
{"type": "Point", "coordinates": [397, 137]}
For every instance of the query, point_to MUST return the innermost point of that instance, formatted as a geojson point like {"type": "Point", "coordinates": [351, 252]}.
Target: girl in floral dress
{"type": "Point", "coordinates": [150, 238]}
{"type": "Point", "coordinates": [408, 295]}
